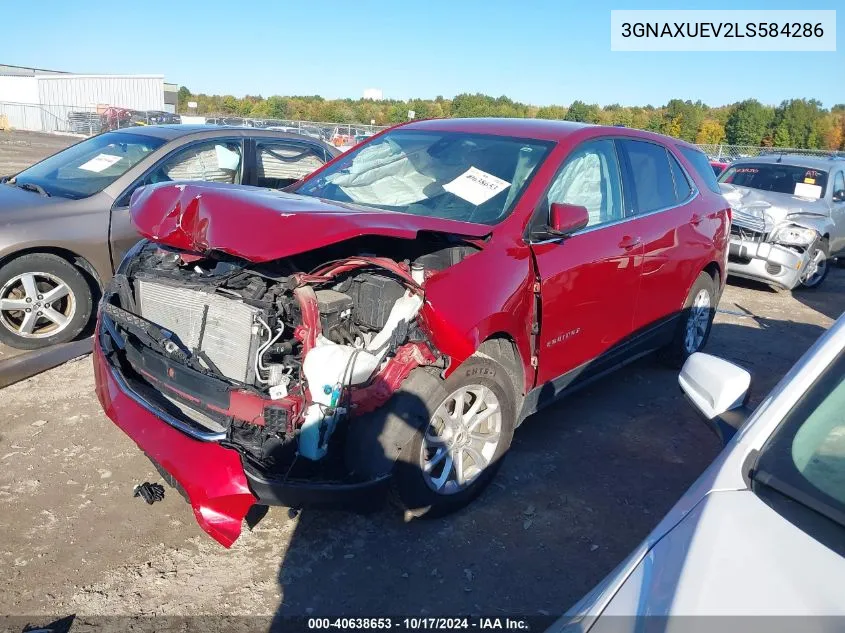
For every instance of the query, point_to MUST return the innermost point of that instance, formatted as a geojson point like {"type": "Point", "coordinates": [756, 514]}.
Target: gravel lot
{"type": "Point", "coordinates": [585, 481]}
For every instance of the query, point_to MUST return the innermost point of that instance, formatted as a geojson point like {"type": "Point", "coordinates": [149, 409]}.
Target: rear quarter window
{"type": "Point", "coordinates": [702, 167]}
{"type": "Point", "coordinates": [682, 187]}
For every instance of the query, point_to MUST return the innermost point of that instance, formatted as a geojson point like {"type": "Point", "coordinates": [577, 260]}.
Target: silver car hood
{"type": "Point", "coordinates": [774, 208]}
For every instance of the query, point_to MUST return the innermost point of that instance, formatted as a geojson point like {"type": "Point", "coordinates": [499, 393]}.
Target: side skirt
{"type": "Point", "coordinates": [624, 353]}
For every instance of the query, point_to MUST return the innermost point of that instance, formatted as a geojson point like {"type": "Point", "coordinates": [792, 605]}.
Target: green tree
{"type": "Point", "coordinates": [748, 123]}
{"type": "Point", "coordinates": [551, 112]}
{"type": "Point", "coordinates": [688, 114]}
{"type": "Point", "coordinates": [182, 98]}
{"type": "Point", "coordinates": [582, 113]}
{"type": "Point", "coordinates": [782, 137]}
{"type": "Point", "coordinates": [799, 117]}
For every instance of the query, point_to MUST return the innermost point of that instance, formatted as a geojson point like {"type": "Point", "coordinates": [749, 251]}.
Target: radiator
{"type": "Point", "coordinates": [230, 338]}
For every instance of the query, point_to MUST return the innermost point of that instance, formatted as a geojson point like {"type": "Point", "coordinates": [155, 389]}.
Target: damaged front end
{"type": "Point", "coordinates": [262, 370]}
{"type": "Point", "coordinates": [775, 238]}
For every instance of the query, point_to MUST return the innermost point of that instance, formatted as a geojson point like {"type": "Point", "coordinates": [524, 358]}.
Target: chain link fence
{"type": "Point", "coordinates": [340, 134]}
{"type": "Point", "coordinates": [49, 118]}
{"type": "Point", "coordinates": [71, 119]}
{"type": "Point", "coordinates": [729, 153]}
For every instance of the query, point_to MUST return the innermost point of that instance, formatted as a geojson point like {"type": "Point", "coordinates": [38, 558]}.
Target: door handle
{"type": "Point", "coordinates": [629, 242]}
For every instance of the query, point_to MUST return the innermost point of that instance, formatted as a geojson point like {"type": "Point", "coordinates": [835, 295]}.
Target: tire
{"type": "Point", "coordinates": [28, 280]}
{"type": "Point", "coordinates": [692, 316]}
{"type": "Point", "coordinates": [823, 268]}
{"type": "Point", "coordinates": [414, 489]}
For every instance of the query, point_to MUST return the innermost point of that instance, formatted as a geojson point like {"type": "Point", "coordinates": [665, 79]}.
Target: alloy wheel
{"type": "Point", "coordinates": [36, 305]}
{"type": "Point", "coordinates": [461, 439]}
{"type": "Point", "coordinates": [816, 269]}
{"type": "Point", "coordinates": [697, 322]}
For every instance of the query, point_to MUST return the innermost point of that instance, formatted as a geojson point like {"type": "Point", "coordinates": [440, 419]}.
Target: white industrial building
{"type": "Point", "coordinates": [51, 101]}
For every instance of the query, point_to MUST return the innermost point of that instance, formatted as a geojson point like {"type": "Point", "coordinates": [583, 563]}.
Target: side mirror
{"type": "Point", "coordinates": [565, 219]}
{"type": "Point", "coordinates": [718, 390]}
{"type": "Point", "coordinates": [839, 196]}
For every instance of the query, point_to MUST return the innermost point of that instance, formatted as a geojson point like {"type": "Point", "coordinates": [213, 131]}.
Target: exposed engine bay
{"type": "Point", "coordinates": [276, 359]}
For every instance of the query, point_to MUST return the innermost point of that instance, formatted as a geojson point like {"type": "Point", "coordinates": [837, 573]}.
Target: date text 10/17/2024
{"type": "Point", "coordinates": [422, 624]}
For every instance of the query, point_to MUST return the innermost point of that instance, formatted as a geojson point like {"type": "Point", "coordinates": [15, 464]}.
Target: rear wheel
{"type": "Point", "coordinates": [43, 300]}
{"type": "Point", "coordinates": [696, 320]}
{"type": "Point", "coordinates": [456, 454]}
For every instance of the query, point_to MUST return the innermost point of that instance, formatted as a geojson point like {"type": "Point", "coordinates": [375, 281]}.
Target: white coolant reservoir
{"type": "Point", "coordinates": [418, 273]}
{"type": "Point", "coordinates": [329, 367]}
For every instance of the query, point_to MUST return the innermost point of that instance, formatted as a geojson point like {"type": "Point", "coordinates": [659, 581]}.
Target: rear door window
{"type": "Point", "coordinates": [279, 164]}
{"type": "Point", "coordinates": [654, 188]}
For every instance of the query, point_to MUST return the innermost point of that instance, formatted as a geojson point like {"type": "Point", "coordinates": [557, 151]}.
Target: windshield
{"type": "Point", "coordinates": [451, 175]}
{"type": "Point", "coordinates": [805, 458]}
{"type": "Point", "coordinates": [90, 166]}
{"type": "Point", "coordinates": [790, 179]}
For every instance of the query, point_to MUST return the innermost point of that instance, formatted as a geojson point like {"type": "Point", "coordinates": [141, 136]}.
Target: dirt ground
{"type": "Point", "coordinates": [585, 481]}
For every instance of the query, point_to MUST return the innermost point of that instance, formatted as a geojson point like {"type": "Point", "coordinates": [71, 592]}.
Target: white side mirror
{"type": "Point", "coordinates": [716, 387]}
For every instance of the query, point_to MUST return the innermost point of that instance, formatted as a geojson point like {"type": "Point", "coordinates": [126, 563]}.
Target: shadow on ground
{"type": "Point", "coordinates": [584, 483]}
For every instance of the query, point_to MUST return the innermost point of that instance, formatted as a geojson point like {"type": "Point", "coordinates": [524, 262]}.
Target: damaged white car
{"type": "Point", "coordinates": [788, 218]}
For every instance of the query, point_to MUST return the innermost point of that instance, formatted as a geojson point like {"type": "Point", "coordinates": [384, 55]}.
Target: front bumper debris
{"type": "Point", "coordinates": [211, 476]}
{"type": "Point", "coordinates": [769, 263]}
{"type": "Point", "coordinates": [220, 485]}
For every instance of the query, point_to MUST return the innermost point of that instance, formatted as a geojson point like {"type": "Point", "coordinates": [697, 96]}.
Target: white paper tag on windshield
{"type": "Point", "coordinates": [808, 191]}
{"type": "Point", "coordinates": [476, 186]}
{"type": "Point", "coordinates": [101, 162]}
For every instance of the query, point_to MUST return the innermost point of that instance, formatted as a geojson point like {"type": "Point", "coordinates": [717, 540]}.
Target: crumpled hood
{"type": "Point", "coordinates": [262, 225]}
{"type": "Point", "coordinates": [776, 205]}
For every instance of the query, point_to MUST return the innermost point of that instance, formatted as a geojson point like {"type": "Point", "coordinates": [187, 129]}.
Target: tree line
{"type": "Point", "coordinates": [800, 123]}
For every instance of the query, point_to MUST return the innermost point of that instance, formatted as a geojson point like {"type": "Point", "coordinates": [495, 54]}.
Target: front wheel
{"type": "Point", "coordinates": [456, 454]}
{"type": "Point", "coordinates": [43, 300]}
{"type": "Point", "coordinates": [817, 267]}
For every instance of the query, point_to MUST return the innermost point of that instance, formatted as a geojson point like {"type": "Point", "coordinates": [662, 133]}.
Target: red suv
{"type": "Point", "coordinates": [387, 322]}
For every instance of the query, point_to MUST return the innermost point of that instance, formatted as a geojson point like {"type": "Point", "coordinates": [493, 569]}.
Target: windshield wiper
{"type": "Point", "coordinates": [29, 186]}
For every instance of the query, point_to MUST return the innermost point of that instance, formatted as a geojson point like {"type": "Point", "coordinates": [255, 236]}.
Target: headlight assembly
{"type": "Point", "coordinates": [795, 236]}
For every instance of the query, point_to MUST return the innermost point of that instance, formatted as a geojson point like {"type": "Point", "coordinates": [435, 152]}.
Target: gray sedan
{"type": "Point", "coordinates": [65, 224]}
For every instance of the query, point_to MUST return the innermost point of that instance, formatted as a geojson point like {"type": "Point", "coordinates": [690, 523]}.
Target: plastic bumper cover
{"type": "Point", "coordinates": [211, 476]}
{"type": "Point", "coordinates": [766, 262]}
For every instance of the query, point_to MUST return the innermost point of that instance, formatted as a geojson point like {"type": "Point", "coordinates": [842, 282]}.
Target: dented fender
{"type": "Point", "coordinates": [483, 296]}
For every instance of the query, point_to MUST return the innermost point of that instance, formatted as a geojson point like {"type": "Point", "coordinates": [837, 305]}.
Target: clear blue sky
{"type": "Point", "coordinates": [536, 51]}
